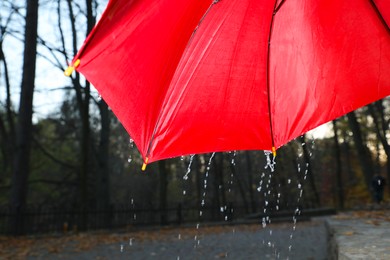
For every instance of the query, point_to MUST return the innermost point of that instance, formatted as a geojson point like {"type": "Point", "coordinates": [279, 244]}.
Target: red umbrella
{"type": "Point", "coordinates": [196, 76]}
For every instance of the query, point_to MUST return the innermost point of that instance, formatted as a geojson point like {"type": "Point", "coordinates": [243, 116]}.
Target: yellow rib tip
{"type": "Point", "coordinates": [274, 151]}
{"type": "Point", "coordinates": [71, 68]}
{"type": "Point", "coordinates": [145, 164]}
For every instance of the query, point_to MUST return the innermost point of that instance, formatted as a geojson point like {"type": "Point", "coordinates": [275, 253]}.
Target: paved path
{"type": "Point", "coordinates": [309, 241]}
{"type": "Point", "coordinates": [360, 235]}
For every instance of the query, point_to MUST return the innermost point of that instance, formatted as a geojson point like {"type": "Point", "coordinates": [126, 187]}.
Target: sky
{"type": "Point", "coordinates": [50, 80]}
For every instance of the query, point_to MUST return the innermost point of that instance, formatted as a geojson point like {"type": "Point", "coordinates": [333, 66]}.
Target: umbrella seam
{"type": "Point", "coordinates": [275, 9]}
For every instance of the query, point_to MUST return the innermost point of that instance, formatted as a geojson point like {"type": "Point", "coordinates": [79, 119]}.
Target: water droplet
{"type": "Point", "coordinates": [184, 192]}
{"type": "Point", "coordinates": [270, 163]}
{"type": "Point", "coordinates": [185, 177]}
{"type": "Point", "coordinates": [122, 248]}
{"type": "Point", "coordinates": [182, 158]}
{"type": "Point", "coordinates": [299, 186]}
{"type": "Point", "coordinates": [264, 223]}
{"type": "Point", "coordinates": [131, 241]}
{"type": "Point", "coordinates": [289, 181]}
{"type": "Point", "coordinates": [221, 209]}
{"type": "Point", "coordinates": [179, 236]}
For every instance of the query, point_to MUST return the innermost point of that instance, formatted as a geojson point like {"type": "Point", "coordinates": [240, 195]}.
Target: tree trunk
{"type": "Point", "coordinates": [23, 133]}
{"type": "Point", "coordinates": [83, 101]}
{"type": "Point", "coordinates": [381, 128]}
{"type": "Point", "coordinates": [250, 182]}
{"type": "Point", "coordinates": [163, 192]}
{"type": "Point", "coordinates": [103, 180]}
{"type": "Point", "coordinates": [7, 136]}
{"type": "Point", "coordinates": [339, 180]}
{"type": "Point", "coordinates": [219, 187]}
{"type": "Point", "coordinates": [362, 150]}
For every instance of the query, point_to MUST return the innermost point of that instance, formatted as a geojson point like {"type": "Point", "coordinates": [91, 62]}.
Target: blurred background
{"type": "Point", "coordinates": [66, 163]}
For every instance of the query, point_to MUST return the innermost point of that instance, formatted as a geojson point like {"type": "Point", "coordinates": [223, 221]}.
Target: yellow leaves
{"type": "Point", "coordinates": [349, 233]}
{"type": "Point", "coordinates": [39, 246]}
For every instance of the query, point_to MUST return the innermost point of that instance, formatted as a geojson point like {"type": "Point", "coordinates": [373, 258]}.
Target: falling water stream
{"type": "Point", "coordinates": [131, 146]}
{"type": "Point", "coordinates": [203, 199]}
{"type": "Point", "coordinates": [266, 187]}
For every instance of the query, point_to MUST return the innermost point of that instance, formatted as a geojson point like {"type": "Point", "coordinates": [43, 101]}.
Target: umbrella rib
{"type": "Point", "coordinates": [279, 6]}
{"type": "Point", "coordinates": [276, 8]}
{"type": "Point", "coordinates": [380, 15]}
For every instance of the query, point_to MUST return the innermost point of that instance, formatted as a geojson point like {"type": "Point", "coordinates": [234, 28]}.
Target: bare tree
{"type": "Point", "coordinates": [339, 180]}
{"type": "Point", "coordinates": [381, 126]}
{"type": "Point", "coordinates": [363, 152]}
{"type": "Point", "coordinates": [24, 124]}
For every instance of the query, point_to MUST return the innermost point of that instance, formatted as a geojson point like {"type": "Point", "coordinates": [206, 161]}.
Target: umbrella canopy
{"type": "Point", "coordinates": [197, 76]}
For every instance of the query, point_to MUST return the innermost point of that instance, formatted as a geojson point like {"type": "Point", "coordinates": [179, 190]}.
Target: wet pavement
{"type": "Point", "coordinates": [276, 241]}
{"type": "Point", "coordinates": [345, 236]}
{"type": "Point", "coordinates": [234, 242]}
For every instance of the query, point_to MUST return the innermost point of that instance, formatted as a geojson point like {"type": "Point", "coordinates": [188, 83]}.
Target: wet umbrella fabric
{"type": "Point", "coordinates": [195, 76]}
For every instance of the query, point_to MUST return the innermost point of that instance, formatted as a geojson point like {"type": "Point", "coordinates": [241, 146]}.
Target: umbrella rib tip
{"type": "Point", "coordinates": [71, 68]}
{"type": "Point", "coordinates": [273, 151]}
{"type": "Point", "coordinates": [145, 164]}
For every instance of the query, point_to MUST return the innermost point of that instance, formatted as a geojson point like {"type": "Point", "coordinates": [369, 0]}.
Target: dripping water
{"type": "Point", "coordinates": [265, 187]}
{"type": "Point", "coordinates": [185, 177]}
{"type": "Point", "coordinates": [301, 167]}
{"type": "Point", "coordinates": [203, 199]}
{"type": "Point", "coordinates": [131, 147]}
{"type": "Point", "coordinates": [132, 204]}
